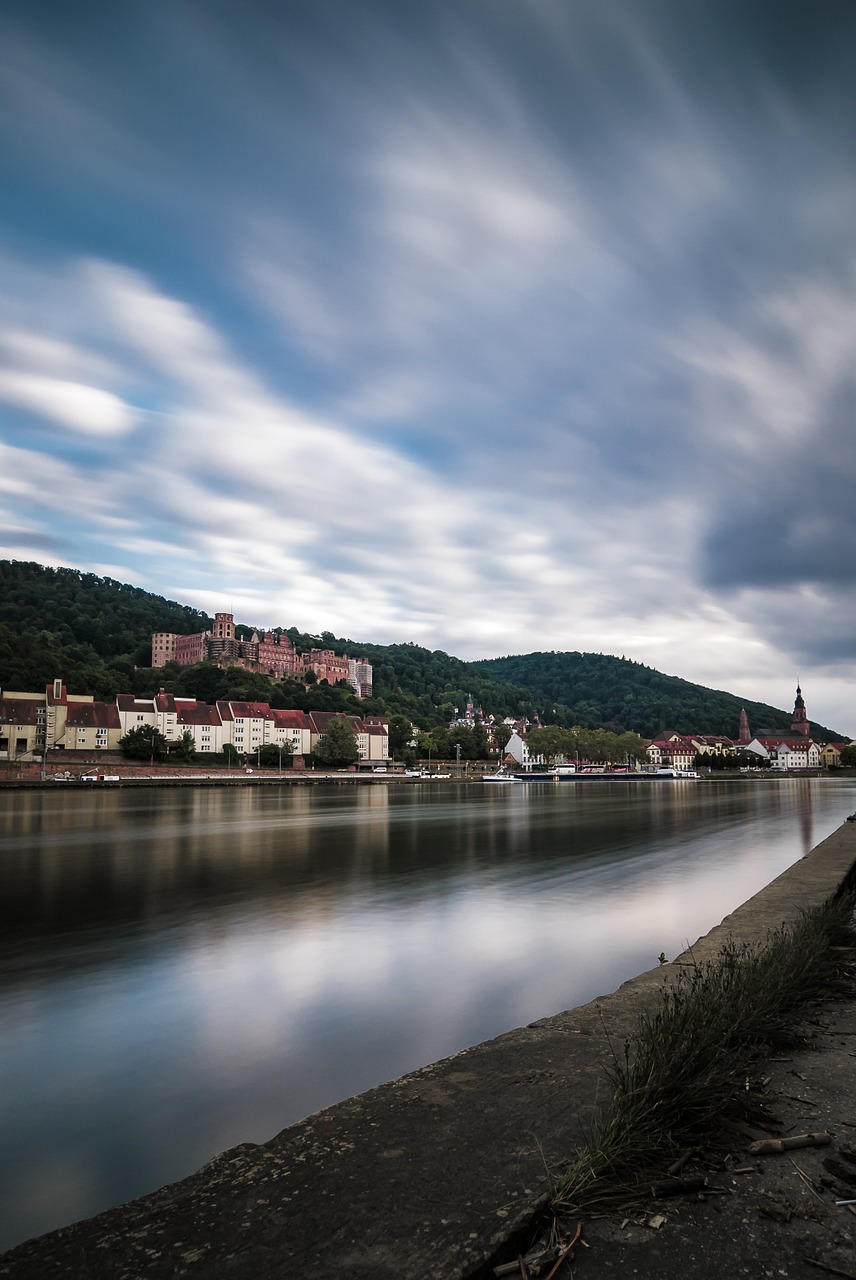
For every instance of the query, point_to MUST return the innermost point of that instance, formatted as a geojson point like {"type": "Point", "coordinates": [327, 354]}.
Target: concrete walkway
{"type": "Point", "coordinates": [429, 1177]}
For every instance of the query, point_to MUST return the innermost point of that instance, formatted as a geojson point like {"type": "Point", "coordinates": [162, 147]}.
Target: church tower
{"type": "Point", "coordinates": [799, 720]}
{"type": "Point", "coordinates": [744, 727]}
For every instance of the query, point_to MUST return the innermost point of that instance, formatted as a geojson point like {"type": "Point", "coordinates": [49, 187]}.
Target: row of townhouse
{"type": "Point", "coordinates": [679, 751]}
{"type": "Point", "coordinates": [31, 724]}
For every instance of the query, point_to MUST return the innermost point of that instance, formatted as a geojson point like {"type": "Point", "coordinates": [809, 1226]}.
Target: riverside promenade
{"type": "Point", "coordinates": [440, 1175]}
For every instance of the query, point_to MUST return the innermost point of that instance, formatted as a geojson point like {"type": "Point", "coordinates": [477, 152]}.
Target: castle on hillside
{"type": "Point", "coordinates": [271, 655]}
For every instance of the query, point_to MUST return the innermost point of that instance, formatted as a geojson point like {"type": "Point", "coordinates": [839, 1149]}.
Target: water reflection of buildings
{"type": "Point", "coordinates": [106, 861]}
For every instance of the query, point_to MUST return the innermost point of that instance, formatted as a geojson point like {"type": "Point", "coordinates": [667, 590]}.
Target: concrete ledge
{"type": "Point", "coordinates": [428, 1176]}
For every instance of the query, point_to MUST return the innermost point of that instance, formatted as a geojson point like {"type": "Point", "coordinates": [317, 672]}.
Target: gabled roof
{"type": "Point", "coordinates": [130, 702]}
{"type": "Point", "coordinates": [321, 719]}
{"type": "Point", "coordinates": [250, 710]}
{"type": "Point", "coordinates": [93, 715]}
{"type": "Point", "coordinates": [197, 713]}
{"type": "Point", "coordinates": [18, 710]}
{"type": "Point", "coordinates": [291, 720]}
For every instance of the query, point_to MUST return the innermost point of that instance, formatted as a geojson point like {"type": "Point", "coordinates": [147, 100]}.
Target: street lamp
{"type": "Point", "coordinates": [458, 757]}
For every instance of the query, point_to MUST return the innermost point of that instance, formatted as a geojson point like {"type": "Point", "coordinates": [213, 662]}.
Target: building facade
{"type": "Point", "coordinates": [267, 653]}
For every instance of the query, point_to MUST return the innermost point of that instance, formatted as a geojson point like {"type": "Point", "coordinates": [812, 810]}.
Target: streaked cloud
{"type": "Point", "coordinates": [500, 331]}
{"type": "Point", "coordinates": [71, 404]}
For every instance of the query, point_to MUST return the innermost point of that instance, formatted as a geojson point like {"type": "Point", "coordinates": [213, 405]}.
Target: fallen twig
{"type": "Point", "coordinates": [806, 1179]}
{"type": "Point", "coordinates": [675, 1168]}
{"type": "Point", "coordinates": [775, 1146]}
{"type": "Point", "coordinates": [833, 1271]}
{"type": "Point", "coordinates": [565, 1252]}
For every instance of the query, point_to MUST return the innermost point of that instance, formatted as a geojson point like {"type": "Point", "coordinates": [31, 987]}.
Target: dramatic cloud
{"type": "Point", "coordinates": [494, 329]}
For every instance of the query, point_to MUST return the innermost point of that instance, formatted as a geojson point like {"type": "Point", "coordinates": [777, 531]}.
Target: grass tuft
{"type": "Point", "coordinates": [691, 1055]}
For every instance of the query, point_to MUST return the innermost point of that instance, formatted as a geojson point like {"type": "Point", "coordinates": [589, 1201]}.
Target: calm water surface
{"type": "Point", "coordinates": [182, 971]}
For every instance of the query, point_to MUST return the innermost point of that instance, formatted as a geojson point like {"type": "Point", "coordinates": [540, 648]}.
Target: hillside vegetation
{"type": "Point", "coordinates": [592, 687]}
{"type": "Point", "coordinates": [96, 634]}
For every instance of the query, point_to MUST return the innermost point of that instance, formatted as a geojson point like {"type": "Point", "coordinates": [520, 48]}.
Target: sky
{"type": "Point", "coordinates": [491, 325]}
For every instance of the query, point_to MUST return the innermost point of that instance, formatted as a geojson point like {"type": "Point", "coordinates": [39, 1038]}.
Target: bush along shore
{"type": "Point", "coordinates": [690, 1060]}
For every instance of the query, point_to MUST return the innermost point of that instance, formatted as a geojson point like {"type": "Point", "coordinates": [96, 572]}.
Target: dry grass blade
{"type": "Point", "coordinates": [692, 1053]}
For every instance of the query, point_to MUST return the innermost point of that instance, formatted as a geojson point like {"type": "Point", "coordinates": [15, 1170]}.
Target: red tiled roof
{"type": "Point", "coordinates": [93, 715]}
{"type": "Point", "coordinates": [321, 719]}
{"type": "Point", "coordinates": [130, 702]}
{"type": "Point", "coordinates": [18, 710]}
{"type": "Point", "coordinates": [250, 710]}
{"type": "Point", "coordinates": [291, 720]}
{"type": "Point", "coordinates": [198, 713]}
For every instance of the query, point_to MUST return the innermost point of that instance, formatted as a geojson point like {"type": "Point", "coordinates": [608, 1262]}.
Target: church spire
{"type": "Point", "coordinates": [799, 720]}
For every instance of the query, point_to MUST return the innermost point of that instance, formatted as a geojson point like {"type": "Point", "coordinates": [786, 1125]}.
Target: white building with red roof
{"type": "Point", "coordinates": [293, 728]}
{"type": "Point", "coordinates": [202, 722]}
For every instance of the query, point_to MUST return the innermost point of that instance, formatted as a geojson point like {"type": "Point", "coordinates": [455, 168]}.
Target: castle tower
{"type": "Point", "coordinates": [224, 626]}
{"type": "Point", "coordinates": [799, 720]}
{"type": "Point", "coordinates": [744, 726]}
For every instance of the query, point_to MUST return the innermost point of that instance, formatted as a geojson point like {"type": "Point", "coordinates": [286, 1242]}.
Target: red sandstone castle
{"type": "Point", "coordinates": [272, 655]}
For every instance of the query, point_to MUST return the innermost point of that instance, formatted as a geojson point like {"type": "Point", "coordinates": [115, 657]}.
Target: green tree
{"type": "Point", "coordinates": [443, 748]}
{"type": "Point", "coordinates": [549, 742]}
{"type": "Point", "coordinates": [338, 745]}
{"type": "Point", "coordinates": [631, 747]}
{"type": "Point", "coordinates": [184, 751]}
{"type": "Point", "coordinates": [400, 734]}
{"type": "Point", "coordinates": [144, 743]}
{"type": "Point", "coordinates": [481, 742]}
{"type": "Point", "coordinates": [848, 755]}
{"type": "Point", "coordinates": [271, 755]}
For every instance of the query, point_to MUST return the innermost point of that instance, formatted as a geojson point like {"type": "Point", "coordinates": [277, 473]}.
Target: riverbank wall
{"type": "Point", "coordinates": [432, 1176]}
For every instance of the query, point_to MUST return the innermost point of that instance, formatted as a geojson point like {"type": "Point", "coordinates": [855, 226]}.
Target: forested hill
{"type": "Point", "coordinates": [593, 687]}
{"type": "Point", "coordinates": [96, 634]}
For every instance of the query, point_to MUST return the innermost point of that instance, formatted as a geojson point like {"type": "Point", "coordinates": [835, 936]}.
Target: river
{"type": "Point", "coordinates": [186, 970]}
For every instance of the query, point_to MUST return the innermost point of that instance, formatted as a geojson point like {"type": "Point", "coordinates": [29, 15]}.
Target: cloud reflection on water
{"type": "Point", "coordinates": [207, 967]}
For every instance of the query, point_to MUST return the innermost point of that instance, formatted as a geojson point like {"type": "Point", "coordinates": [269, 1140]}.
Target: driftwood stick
{"type": "Point", "coordinates": [774, 1146]}
{"type": "Point", "coordinates": [675, 1168]}
{"type": "Point", "coordinates": [565, 1252]}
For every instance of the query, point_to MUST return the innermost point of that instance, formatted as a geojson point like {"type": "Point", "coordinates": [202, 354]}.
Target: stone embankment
{"type": "Point", "coordinates": [431, 1176]}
